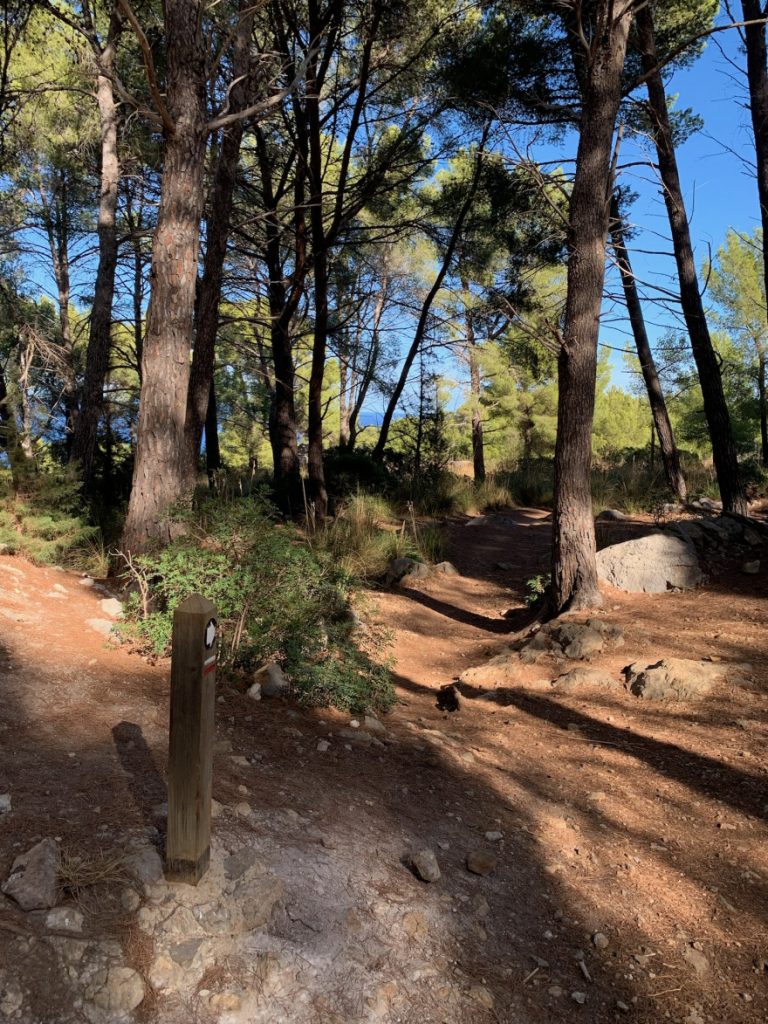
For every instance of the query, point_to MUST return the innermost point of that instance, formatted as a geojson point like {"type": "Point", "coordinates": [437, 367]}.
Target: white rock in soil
{"type": "Point", "coordinates": [425, 864]}
{"type": "Point", "coordinates": [34, 879]}
{"type": "Point", "coordinates": [116, 989]}
{"type": "Point", "coordinates": [494, 837]}
{"type": "Point", "coordinates": [11, 996]}
{"type": "Point", "coordinates": [145, 864]}
{"type": "Point", "coordinates": [64, 919]}
{"type": "Point", "coordinates": [372, 724]}
{"type": "Point", "coordinates": [323, 746]}
{"type": "Point", "coordinates": [5, 803]}
{"type": "Point", "coordinates": [579, 997]}
{"type": "Point", "coordinates": [751, 568]}
{"type": "Point", "coordinates": [111, 606]}
{"type": "Point", "coordinates": [254, 692]}
{"type": "Point", "coordinates": [103, 626]}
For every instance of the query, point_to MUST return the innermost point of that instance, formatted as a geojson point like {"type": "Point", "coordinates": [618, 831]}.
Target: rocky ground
{"type": "Point", "coordinates": [594, 849]}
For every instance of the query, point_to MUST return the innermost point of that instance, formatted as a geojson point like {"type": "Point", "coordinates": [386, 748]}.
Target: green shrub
{"type": "Point", "coordinates": [277, 598]}
{"type": "Point", "coordinates": [44, 522]}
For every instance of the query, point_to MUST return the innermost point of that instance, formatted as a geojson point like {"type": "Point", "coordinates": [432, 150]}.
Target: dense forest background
{"type": "Point", "coordinates": [334, 255]}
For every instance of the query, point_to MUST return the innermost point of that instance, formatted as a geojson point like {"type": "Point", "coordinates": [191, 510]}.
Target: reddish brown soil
{"type": "Point", "coordinates": [646, 822]}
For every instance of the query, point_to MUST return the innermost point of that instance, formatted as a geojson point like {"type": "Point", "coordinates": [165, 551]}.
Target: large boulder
{"type": "Point", "coordinates": [652, 564]}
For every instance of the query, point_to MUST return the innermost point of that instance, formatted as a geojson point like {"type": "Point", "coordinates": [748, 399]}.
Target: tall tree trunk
{"type": "Point", "coordinates": [212, 449]}
{"type": "Point", "coordinates": [9, 438]}
{"type": "Point", "coordinates": [158, 475]}
{"type": "Point", "coordinates": [669, 453]}
{"type": "Point", "coordinates": [426, 308]}
{"type": "Point", "coordinates": [757, 76]}
{"type": "Point", "coordinates": [475, 391]}
{"type": "Point", "coordinates": [574, 568]}
{"type": "Point", "coordinates": [707, 364]}
{"type": "Point", "coordinates": [344, 394]}
{"type": "Point", "coordinates": [763, 405]}
{"type": "Point", "coordinates": [97, 358]}
{"type": "Point", "coordinates": [217, 238]}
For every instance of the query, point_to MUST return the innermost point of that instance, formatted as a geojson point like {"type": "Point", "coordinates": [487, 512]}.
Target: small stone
{"type": "Point", "coordinates": [5, 804]}
{"type": "Point", "coordinates": [116, 990]}
{"type": "Point", "coordinates": [103, 626]}
{"type": "Point", "coordinates": [579, 997]}
{"type": "Point", "coordinates": [554, 990]}
{"type": "Point", "coordinates": [216, 809]}
{"type": "Point", "coordinates": [622, 1006]}
{"type": "Point", "coordinates": [482, 995]}
{"type": "Point", "coordinates": [479, 862]}
{"type": "Point", "coordinates": [254, 692]}
{"type": "Point", "coordinates": [600, 941]}
{"type": "Point", "coordinates": [447, 569]}
{"type": "Point", "coordinates": [130, 900]}
{"type": "Point", "coordinates": [34, 879]}
{"type": "Point", "coordinates": [243, 809]}
{"type": "Point", "coordinates": [111, 606]}
{"type": "Point", "coordinates": [372, 724]}
{"type": "Point", "coordinates": [751, 568]}
{"type": "Point", "coordinates": [323, 746]}
{"type": "Point", "coordinates": [425, 865]}
{"type": "Point", "coordinates": [227, 1001]}
{"type": "Point", "coordinates": [64, 919]}
{"type": "Point", "coordinates": [145, 864]}
{"type": "Point", "coordinates": [696, 959]}
{"type": "Point", "coordinates": [11, 996]}
{"type": "Point", "coordinates": [494, 837]}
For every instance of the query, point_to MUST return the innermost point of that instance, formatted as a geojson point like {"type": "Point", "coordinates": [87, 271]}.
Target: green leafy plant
{"type": "Point", "coordinates": [278, 598]}
{"type": "Point", "coordinates": [536, 589]}
{"type": "Point", "coordinates": [44, 521]}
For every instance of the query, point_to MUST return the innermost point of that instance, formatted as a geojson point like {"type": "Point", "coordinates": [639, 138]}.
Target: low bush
{"type": "Point", "coordinates": [44, 520]}
{"type": "Point", "coordinates": [277, 598]}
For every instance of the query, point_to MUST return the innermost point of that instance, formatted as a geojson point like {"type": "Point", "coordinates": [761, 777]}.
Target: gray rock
{"type": "Point", "coordinates": [323, 746]}
{"type": "Point", "coordinates": [425, 865]}
{"type": "Point", "coordinates": [696, 959]}
{"type": "Point", "coordinates": [34, 879]}
{"type": "Point", "coordinates": [372, 724]}
{"type": "Point", "coordinates": [254, 692]}
{"type": "Point", "coordinates": [5, 804]}
{"type": "Point", "coordinates": [116, 989]}
{"type": "Point", "coordinates": [103, 626]}
{"type": "Point", "coordinates": [11, 996]}
{"type": "Point", "coordinates": [64, 919]}
{"type": "Point", "coordinates": [600, 940]}
{"type": "Point", "coordinates": [272, 680]}
{"type": "Point", "coordinates": [751, 568]}
{"type": "Point", "coordinates": [398, 568]}
{"type": "Point", "coordinates": [612, 515]}
{"type": "Point", "coordinates": [112, 607]}
{"type": "Point", "coordinates": [184, 953]}
{"type": "Point", "coordinates": [674, 679]}
{"type": "Point", "coordinates": [652, 564]}
{"type": "Point", "coordinates": [447, 569]}
{"type": "Point", "coordinates": [579, 997]}
{"type": "Point", "coordinates": [145, 864]}
{"type": "Point", "coordinates": [578, 678]}
{"type": "Point", "coordinates": [239, 863]}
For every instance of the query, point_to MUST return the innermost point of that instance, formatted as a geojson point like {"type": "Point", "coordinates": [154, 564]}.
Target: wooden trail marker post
{"type": "Point", "coordinates": [190, 754]}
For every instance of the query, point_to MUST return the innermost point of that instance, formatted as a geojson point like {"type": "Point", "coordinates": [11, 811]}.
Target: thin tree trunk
{"type": "Point", "coordinates": [707, 364]}
{"type": "Point", "coordinates": [344, 406]}
{"type": "Point", "coordinates": [574, 568]}
{"type": "Point", "coordinates": [158, 476]}
{"type": "Point", "coordinates": [669, 453]}
{"type": "Point", "coordinates": [84, 438]}
{"type": "Point", "coordinates": [9, 438]}
{"type": "Point", "coordinates": [475, 391]}
{"type": "Point", "coordinates": [370, 364]}
{"type": "Point", "coordinates": [217, 237]}
{"type": "Point", "coordinates": [763, 404]}
{"type": "Point", "coordinates": [212, 449]}
{"type": "Point", "coordinates": [421, 326]}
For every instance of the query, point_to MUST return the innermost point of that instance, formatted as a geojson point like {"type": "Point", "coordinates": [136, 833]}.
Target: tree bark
{"type": "Point", "coordinates": [212, 449]}
{"type": "Point", "coordinates": [217, 238]}
{"type": "Point", "coordinates": [757, 77]}
{"type": "Point", "coordinates": [707, 364]}
{"type": "Point", "coordinates": [158, 476]}
{"type": "Point", "coordinates": [86, 424]}
{"type": "Point", "coordinates": [426, 308]}
{"type": "Point", "coordinates": [669, 453]}
{"type": "Point", "coordinates": [574, 568]}
{"type": "Point", "coordinates": [370, 365]}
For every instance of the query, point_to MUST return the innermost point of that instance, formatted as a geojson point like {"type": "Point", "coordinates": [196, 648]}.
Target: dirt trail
{"type": "Point", "coordinates": [643, 822]}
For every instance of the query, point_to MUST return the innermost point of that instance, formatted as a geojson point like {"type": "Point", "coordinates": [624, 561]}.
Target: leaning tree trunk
{"type": "Point", "coordinates": [217, 238]}
{"type": "Point", "coordinates": [762, 402]}
{"type": "Point", "coordinates": [86, 425]}
{"type": "Point", "coordinates": [669, 453]}
{"type": "Point", "coordinates": [426, 308]}
{"type": "Point", "coordinates": [707, 364]}
{"type": "Point", "coordinates": [574, 568]}
{"type": "Point", "coordinates": [158, 475]}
